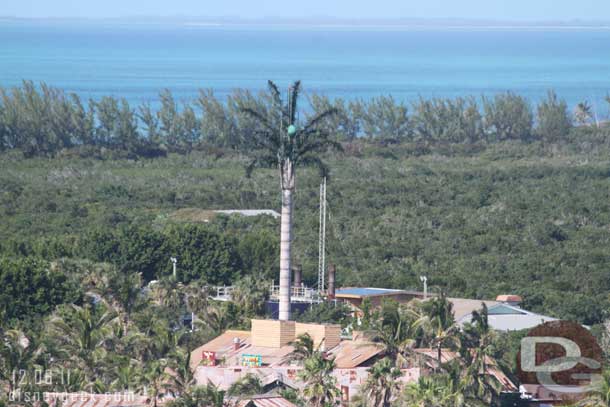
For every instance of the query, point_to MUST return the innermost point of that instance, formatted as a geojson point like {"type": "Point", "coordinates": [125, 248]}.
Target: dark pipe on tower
{"type": "Point", "coordinates": [298, 275]}
{"type": "Point", "coordinates": [331, 281]}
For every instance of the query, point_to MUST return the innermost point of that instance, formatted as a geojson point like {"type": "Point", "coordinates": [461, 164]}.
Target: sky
{"type": "Point", "coordinates": [516, 10]}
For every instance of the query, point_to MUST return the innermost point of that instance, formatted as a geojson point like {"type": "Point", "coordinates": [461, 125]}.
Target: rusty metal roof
{"type": "Point", "coordinates": [95, 400]}
{"type": "Point", "coordinates": [266, 401]}
{"type": "Point", "coordinates": [222, 345]}
{"type": "Point", "coordinates": [351, 354]}
{"type": "Point", "coordinates": [348, 354]}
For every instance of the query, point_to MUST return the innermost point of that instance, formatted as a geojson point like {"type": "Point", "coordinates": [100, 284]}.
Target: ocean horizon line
{"type": "Point", "coordinates": [326, 22]}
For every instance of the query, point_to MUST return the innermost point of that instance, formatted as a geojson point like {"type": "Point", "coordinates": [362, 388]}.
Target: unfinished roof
{"type": "Point", "coordinates": [362, 292]}
{"type": "Point", "coordinates": [266, 401]}
{"type": "Point", "coordinates": [98, 400]}
{"type": "Point", "coordinates": [463, 307]}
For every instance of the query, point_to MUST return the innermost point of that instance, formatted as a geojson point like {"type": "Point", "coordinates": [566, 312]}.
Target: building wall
{"type": "Point", "coordinates": [327, 335]}
{"type": "Point", "coordinates": [272, 334]}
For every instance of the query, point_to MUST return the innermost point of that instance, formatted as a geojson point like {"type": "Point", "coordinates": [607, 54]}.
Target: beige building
{"type": "Point", "coordinates": [265, 349]}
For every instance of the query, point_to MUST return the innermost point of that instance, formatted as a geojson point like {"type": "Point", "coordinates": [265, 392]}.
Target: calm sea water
{"type": "Point", "coordinates": [136, 62]}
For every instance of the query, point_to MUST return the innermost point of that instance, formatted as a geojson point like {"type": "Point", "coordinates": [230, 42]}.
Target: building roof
{"type": "Point", "coordinates": [351, 354]}
{"type": "Point", "coordinates": [266, 401]}
{"type": "Point", "coordinates": [223, 347]}
{"type": "Point", "coordinates": [249, 212]}
{"type": "Point", "coordinates": [362, 292]}
{"type": "Point", "coordinates": [95, 400]}
{"type": "Point", "coordinates": [348, 354]}
{"type": "Point", "coordinates": [509, 298]}
{"type": "Point", "coordinates": [463, 307]}
{"type": "Point", "coordinates": [505, 317]}
{"type": "Point", "coordinates": [206, 215]}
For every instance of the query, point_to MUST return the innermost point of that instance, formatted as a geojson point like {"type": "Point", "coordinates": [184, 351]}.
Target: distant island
{"type": "Point", "coordinates": [332, 22]}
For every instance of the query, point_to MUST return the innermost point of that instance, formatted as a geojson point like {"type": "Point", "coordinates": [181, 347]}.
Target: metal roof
{"type": "Point", "coordinates": [366, 292]}
{"type": "Point", "coordinates": [266, 401]}
{"type": "Point", "coordinates": [224, 348]}
{"type": "Point", "coordinates": [504, 317]}
{"type": "Point", "coordinates": [351, 354]}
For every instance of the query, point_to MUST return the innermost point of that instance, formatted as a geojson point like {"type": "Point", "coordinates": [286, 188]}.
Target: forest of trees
{"type": "Point", "coordinates": [45, 120]}
{"type": "Point", "coordinates": [485, 197]}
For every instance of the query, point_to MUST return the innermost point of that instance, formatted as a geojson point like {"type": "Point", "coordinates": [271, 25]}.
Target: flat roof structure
{"type": "Point", "coordinates": [363, 292]}
{"type": "Point", "coordinates": [501, 316]}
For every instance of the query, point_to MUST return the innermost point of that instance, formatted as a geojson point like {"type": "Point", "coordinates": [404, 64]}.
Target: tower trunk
{"type": "Point", "coordinates": [285, 254]}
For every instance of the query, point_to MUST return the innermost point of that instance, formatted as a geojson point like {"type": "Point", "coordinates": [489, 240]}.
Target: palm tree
{"type": "Point", "coordinates": [477, 353]}
{"type": "Point", "coordinates": [83, 334]}
{"type": "Point", "coordinates": [436, 390]}
{"type": "Point", "coordinates": [439, 325]}
{"type": "Point", "coordinates": [168, 293]}
{"type": "Point", "coordinates": [304, 348]}
{"type": "Point", "coordinates": [583, 112]}
{"type": "Point", "coordinates": [182, 378]}
{"type": "Point", "coordinates": [249, 295]}
{"type": "Point", "coordinates": [248, 385]}
{"type": "Point", "coordinates": [156, 380]}
{"type": "Point", "coordinates": [394, 330]}
{"type": "Point", "coordinates": [320, 385]}
{"type": "Point", "coordinates": [281, 142]}
{"type": "Point", "coordinates": [127, 376]}
{"type": "Point", "coordinates": [17, 353]}
{"type": "Point", "coordinates": [381, 383]}
{"type": "Point", "coordinates": [217, 317]}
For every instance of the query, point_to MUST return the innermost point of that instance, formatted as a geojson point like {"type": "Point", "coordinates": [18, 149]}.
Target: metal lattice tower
{"type": "Point", "coordinates": [322, 239]}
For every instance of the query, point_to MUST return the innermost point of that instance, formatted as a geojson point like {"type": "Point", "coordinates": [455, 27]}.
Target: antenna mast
{"type": "Point", "coordinates": [322, 240]}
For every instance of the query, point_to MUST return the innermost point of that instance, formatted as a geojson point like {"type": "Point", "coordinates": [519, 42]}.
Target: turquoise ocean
{"type": "Point", "coordinates": [137, 61]}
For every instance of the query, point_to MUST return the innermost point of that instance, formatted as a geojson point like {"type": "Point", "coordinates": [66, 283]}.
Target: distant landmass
{"type": "Point", "coordinates": [331, 22]}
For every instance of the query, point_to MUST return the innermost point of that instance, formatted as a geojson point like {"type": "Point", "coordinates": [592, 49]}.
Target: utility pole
{"type": "Point", "coordinates": [322, 239]}
{"type": "Point", "coordinates": [174, 263]}
{"type": "Point", "coordinates": [424, 280]}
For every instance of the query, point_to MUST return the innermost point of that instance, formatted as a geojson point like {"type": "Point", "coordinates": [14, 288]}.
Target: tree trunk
{"type": "Point", "coordinates": [440, 355]}
{"type": "Point", "coordinates": [285, 254]}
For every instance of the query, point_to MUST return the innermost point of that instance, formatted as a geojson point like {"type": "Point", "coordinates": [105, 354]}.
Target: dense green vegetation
{"type": "Point", "coordinates": [485, 198]}
{"type": "Point", "coordinates": [530, 219]}
{"type": "Point", "coordinates": [41, 120]}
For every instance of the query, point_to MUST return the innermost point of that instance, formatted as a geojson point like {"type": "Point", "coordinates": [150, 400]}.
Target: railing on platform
{"type": "Point", "coordinates": [297, 294]}
{"type": "Point", "coordinates": [223, 293]}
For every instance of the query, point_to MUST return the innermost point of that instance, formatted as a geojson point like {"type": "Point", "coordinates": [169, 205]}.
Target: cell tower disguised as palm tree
{"type": "Point", "coordinates": [282, 142]}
